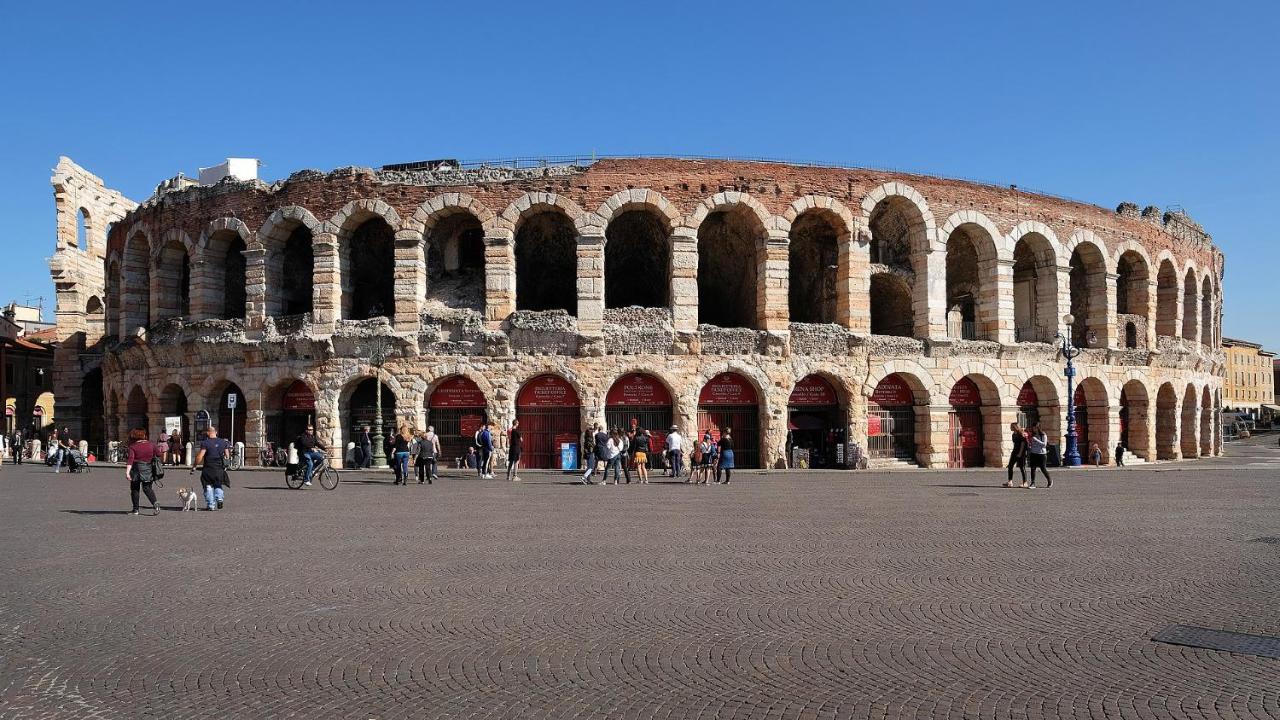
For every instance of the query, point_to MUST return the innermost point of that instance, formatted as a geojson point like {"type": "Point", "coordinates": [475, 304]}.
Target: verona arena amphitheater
{"type": "Point", "coordinates": [801, 305]}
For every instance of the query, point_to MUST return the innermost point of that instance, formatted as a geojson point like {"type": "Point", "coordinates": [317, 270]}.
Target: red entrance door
{"type": "Point", "coordinates": [965, 425]}
{"type": "Point", "coordinates": [640, 401]}
{"type": "Point", "coordinates": [728, 400]}
{"type": "Point", "coordinates": [456, 409]}
{"type": "Point", "coordinates": [549, 413]}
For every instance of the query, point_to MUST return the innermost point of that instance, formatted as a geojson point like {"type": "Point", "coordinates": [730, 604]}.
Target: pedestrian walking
{"type": "Point", "coordinates": [624, 453]}
{"type": "Point", "coordinates": [140, 469]}
{"type": "Point", "coordinates": [400, 460]}
{"type": "Point", "coordinates": [1119, 454]}
{"type": "Point", "coordinates": [514, 443]}
{"type": "Point", "coordinates": [641, 449]}
{"type": "Point", "coordinates": [712, 460]}
{"type": "Point", "coordinates": [1038, 453]}
{"type": "Point", "coordinates": [1095, 454]}
{"type": "Point", "coordinates": [162, 446]}
{"type": "Point", "coordinates": [613, 457]}
{"type": "Point", "coordinates": [484, 444]}
{"type": "Point", "coordinates": [600, 443]}
{"type": "Point", "coordinates": [698, 461]}
{"type": "Point", "coordinates": [366, 448]}
{"type": "Point", "coordinates": [212, 461]}
{"type": "Point", "coordinates": [726, 456]}
{"type": "Point", "coordinates": [1017, 458]}
{"type": "Point", "coordinates": [16, 446]}
{"type": "Point", "coordinates": [589, 444]}
{"type": "Point", "coordinates": [675, 451]}
{"type": "Point", "coordinates": [428, 455]}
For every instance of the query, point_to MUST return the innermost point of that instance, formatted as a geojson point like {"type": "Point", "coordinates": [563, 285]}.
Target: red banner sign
{"type": "Point", "coordinates": [547, 391]}
{"type": "Point", "coordinates": [965, 394]}
{"type": "Point", "coordinates": [727, 389]}
{"type": "Point", "coordinates": [457, 392]}
{"type": "Point", "coordinates": [469, 425]}
{"type": "Point", "coordinates": [638, 390]}
{"type": "Point", "coordinates": [893, 391]}
{"type": "Point", "coordinates": [873, 426]}
{"type": "Point", "coordinates": [1027, 397]}
{"type": "Point", "coordinates": [299, 397]}
{"type": "Point", "coordinates": [813, 390]}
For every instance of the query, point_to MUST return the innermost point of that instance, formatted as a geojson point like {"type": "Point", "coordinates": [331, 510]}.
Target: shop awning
{"type": "Point", "coordinates": [1272, 408]}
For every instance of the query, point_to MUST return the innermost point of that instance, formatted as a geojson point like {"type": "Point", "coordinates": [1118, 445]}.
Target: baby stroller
{"type": "Point", "coordinates": [76, 462]}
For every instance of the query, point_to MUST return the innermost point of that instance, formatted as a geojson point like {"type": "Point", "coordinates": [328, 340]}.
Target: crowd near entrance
{"type": "Point", "coordinates": [549, 412]}
{"type": "Point", "coordinates": [729, 400]}
{"type": "Point", "coordinates": [642, 401]}
{"type": "Point", "coordinates": [965, 423]}
{"type": "Point", "coordinates": [891, 420]}
{"type": "Point", "coordinates": [456, 409]}
{"type": "Point", "coordinates": [816, 422]}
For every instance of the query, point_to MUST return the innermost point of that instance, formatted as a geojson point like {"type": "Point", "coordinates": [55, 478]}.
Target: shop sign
{"type": "Point", "coordinates": [813, 390]}
{"type": "Point", "coordinates": [299, 397]}
{"type": "Point", "coordinates": [727, 389]}
{"type": "Point", "coordinates": [547, 391]}
{"type": "Point", "coordinates": [469, 424]}
{"type": "Point", "coordinates": [893, 391]}
{"type": "Point", "coordinates": [873, 426]}
{"type": "Point", "coordinates": [965, 394]}
{"type": "Point", "coordinates": [638, 390]}
{"type": "Point", "coordinates": [1027, 396]}
{"type": "Point", "coordinates": [457, 392]}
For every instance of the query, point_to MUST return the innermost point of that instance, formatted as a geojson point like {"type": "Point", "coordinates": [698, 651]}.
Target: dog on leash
{"type": "Point", "coordinates": [188, 497]}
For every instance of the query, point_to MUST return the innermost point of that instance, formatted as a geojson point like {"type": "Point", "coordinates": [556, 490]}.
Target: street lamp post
{"type": "Point", "coordinates": [1071, 457]}
{"type": "Point", "coordinates": [377, 358]}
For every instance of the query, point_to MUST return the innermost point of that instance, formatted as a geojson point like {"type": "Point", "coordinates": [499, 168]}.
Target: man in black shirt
{"type": "Point", "coordinates": [310, 451]}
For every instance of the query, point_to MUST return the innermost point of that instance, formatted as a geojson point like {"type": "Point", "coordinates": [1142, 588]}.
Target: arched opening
{"type": "Point", "coordinates": [136, 411]}
{"type": "Point", "coordinates": [82, 229]}
{"type": "Point", "coordinates": [1190, 309]}
{"type": "Point", "coordinates": [891, 305]}
{"type": "Point", "coordinates": [971, 295]}
{"type": "Point", "coordinates": [813, 263]}
{"type": "Point", "coordinates": [42, 414]}
{"type": "Point", "coordinates": [1038, 403]}
{"type": "Point", "coordinates": [817, 423]}
{"type": "Point", "coordinates": [1035, 289]}
{"type": "Point", "coordinates": [1093, 424]}
{"type": "Point", "coordinates": [457, 409]}
{"type": "Point", "coordinates": [637, 260]}
{"type": "Point", "coordinates": [1190, 423]}
{"type": "Point", "coordinates": [546, 264]}
{"type": "Point", "coordinates": [974, 423]}
{"type": "Point", "coordinates": [288, 409]}
{"type": "Point", "coordinates": [892, 412]}
{"type": "Point", "coordinates": [1206, 424]}
{"type": "Point", "coordinates": [1206, 315]}
{"type": "Point", "coordinates": [173, 280]}
{"type": "Point", "coordinates": [362, 411]}
{"type": "Point", "coordinates": [1166, 422]}
{"type": "Point", "coordinates": [1135, 431]}
{"type": "Point", "coordinates": [729, 246]}
{"type": "Point", "coordinates": [1167, 300]}
{"type": "Point", "coordinates": [1088, 295]}
{"type": "Point", "coordinates": [137, 283]}
{"type": "Point", "coordinates": [729, 400]}
{"type": "Point", "coordinates": [893, 224]}
{"type": "Point", "coordinates": [174, 411]}
{"type": "Point", "coordinates": [93, 413]}
{"type": "Point", "coordinates": [222, 285]}
{"type": "Point", "coordinates": [368, 272]}
{"type": "Point", "coordinates": [549, 412]}
{"type": "Point", "coordinates": [94, 317]}
{"type": "Point", "coordinates": [455, 263]}
{"type": "Point", "coordinates": [639, 401]}
{"type": "Point", "coordinates": [114, 298]}
{"type": "Point", "coordinates": [297, 273]}
{"type": "Point", "coordinates": [231, 421]}
{"type": "Point", "coordinates": [1132, 297]}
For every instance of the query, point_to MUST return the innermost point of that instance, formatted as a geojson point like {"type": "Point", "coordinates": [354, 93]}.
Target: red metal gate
{"type": "Point", "coordinates": [549, 413]}
{"type": "Point", "coordinates": [966, 438]}
{"type": "Point", "coordinates": [744, 420]}
{"type": "Point", "coordinates": [456, 409]}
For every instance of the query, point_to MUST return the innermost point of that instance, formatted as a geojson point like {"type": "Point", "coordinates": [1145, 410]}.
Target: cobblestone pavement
{"type": "Point", "coordinates": [931, 594]}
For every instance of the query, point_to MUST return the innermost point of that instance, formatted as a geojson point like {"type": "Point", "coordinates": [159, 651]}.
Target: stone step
{"type": "Point", "coordinates": [890, 464]}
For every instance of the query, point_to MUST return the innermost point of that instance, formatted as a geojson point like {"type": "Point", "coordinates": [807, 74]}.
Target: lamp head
{"type": "Point", "coordinates": [1069, 319]}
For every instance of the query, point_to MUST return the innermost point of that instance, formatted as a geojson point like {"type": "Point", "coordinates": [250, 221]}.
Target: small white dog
{"type": "Point", "coordinates": [188, 497]}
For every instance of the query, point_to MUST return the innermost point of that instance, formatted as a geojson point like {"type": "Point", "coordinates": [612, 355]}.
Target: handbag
{"type": "Point", "coordinates": [157, 471]}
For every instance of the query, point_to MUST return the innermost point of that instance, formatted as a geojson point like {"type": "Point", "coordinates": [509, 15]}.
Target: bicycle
{"type": "Point", "coordinates": [297, 475]}
{"type": "Point", "coordinates": [272, 456]}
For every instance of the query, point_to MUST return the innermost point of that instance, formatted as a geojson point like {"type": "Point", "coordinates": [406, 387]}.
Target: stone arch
{"type": "Point", "coordinates": [114, 290]}
{"type": "Point", "coordinates": [1049, 398]}
{"type": "Point", "coordinates": [1206, 423]}
{"type": "Point", "coordinates": [1167, 415]}
{"type": "Point", "coordinates": [679, 401]}
{"type": "Point", "coordinates": [727, 201]}
{"type": "Point", "coordinates": [546, 253]}
{"type": "Point", "coordinates": [1190, 304]}
{"type": "Point", "coordinates": [1088, 288]}
{"type": "Point", "coordinates": [1036, 252]}
{"type": "Point", "coordinates": [367, 277]}
{"type": "Point", "coordinates": [625, 201]}
{"type": "Point", "coordinates": [287, 240]}
{"type": "Point", "coordinates": [638, 228]}
{"type": "Point", "coordinates": [136, 279]}
{"type": "Point", "coordinates": [1168, 290]}
{"type": "Point", "coordinates": [972, 244]}
{"type": "Point", "coordinates": [357, 212]}
{"type": "Point", "coordinates": [989, 414]}
{"type": "Point", "coordinates": [1094, 417]}
{"type": "Point", "coordinates": [536, 202]}
{"type": "Point", "coordinates": [437, 208]}
{"type": "Point", "coordinates": [137, 410]}
{"type": "Point", "coordinates": [732, 232]}
{"type": "Point", "coordinates": [818, 264]}
{"type": "Point", "coordinates": [84, 229]}
{"type": "Point", "coordinates": [923, 384]}
{"type": "Point", "coordinates": [923, 231]}
{"type": "Point", "coordinates": [171, 276]}
{"type": "Point", "coordinates": [1206, 312]}
{"type": "Point", "coordinates": [174, 401]}
{"type": "Point", "coordinates": [1190, 423]}
{"type": "Point", "coordinates": [220, 277]}
{"type": "Point", "coordinates": [891, 304]}
{"type": "Point", "coordinates": [1135, 417]}
{"type": "Point", "coordinates": [1133, 292]}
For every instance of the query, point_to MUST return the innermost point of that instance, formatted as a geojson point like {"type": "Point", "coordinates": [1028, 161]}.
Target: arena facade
{"type": "Point", "coordinates": [798, 304]}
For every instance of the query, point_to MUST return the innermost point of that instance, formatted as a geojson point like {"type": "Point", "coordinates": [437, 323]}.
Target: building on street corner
{"type": "Point", "coordinates": [1249, 384]}
{"type": "Point", "coordinates": [799, 305]}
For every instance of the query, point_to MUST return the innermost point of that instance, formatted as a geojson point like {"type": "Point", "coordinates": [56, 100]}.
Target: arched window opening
{"type": "Point", "coordinates": [455, 262]}
{"type": "Point", "coordinates": [93, 412]}
{"type": "Point", "coordinates": [963, 286]}
{"type": "Point", "coordinates": [1206, 424]}
{"type": "Point", "coordinates": [1207, 336]}
{"type": "Point", "coordinates": [82, 229]}
{"type": "Point", "coordinates": [297, 272]}
{"type": "Point", "coordinates": [231, 422]}
{"type": "Point", "coordinates": [891, 306]}
{"type": "Point", "coordinates": [233, 278]}
{"type": "Point", "coordinates": [173, 280]}
{"type": "Point", "coordinates": [813, 262]}
{"type": "Point", "coordinates": [1190, 311]}
{"type": "Point", "coordinates": [1167, 300]}
{"type": "Point", "coordinates": [1190, 422]}
{"type": "Point", "coordinates": [137, 282]}
{"type": "Point", "coordinates": [546, 263]}
{"type": "Point", "coordinates": [637, 260]}
{"type": "Point", "coordinates": [1130, 335]}
{"type": "Point", "coordinates": [891, 226]}
{"type": "Point", "coordinates": [1166, 422]}
{"type": "Point", "coordinates": [113, 299]}
{"type": "Point", "coordinates": [369, 283]}
{"type": "Point", "coordinates": [1088, 295]}
{"type": "Point", "coordinates": [729, 243]}
{"type": "Point", "coordinates": [1132, 299]}
{"type": "Point", "coordinates": [1035, 289]}
{"type": "Point", "coordinates": [136, 411]}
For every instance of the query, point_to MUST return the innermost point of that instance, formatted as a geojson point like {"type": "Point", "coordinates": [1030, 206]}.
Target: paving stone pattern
{"type": "Point", "coordinates": [928, 594]}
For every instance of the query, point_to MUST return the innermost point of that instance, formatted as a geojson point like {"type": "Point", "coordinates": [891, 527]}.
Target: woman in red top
{"type": "Point", "coordinates": [137, 468]}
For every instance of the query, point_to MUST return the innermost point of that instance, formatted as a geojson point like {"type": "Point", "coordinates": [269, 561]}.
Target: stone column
{"type": "Point", "coordinates": [1189, 429]}
{"type": "Point", "coordinates": [772, 289]}
{"type": "Point", "coordinates": [854, 268]}
{"type": "Point", "coordinates": [410, 280]}
{"type": "Point", "coordinates": [1103, 320]}
{"type": "Point", "coordinates": [499, 278]}
{"type": "Point", "coordinates": [326, 293]}
{"type": "Point", "coordinates": [933, 442]}
{"type": "Point", "coordinates": [1055, 324]}
{"type": "Point", "coordinates": [1153, 318]}
{"type": "Point", "coordinates": [590, 283]}
{"type": "Point", "coordinates": [255, 289]}
{"type": "Point", "coordinates": [929, 294]}
{"type": "Point", "coordinates": [1001, 300]}
{"type": "Point", "coordinates": [684, 279]}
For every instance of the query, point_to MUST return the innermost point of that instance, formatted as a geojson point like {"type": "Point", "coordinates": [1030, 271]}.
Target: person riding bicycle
{"type": "Point", "coordinates": [310, 451]}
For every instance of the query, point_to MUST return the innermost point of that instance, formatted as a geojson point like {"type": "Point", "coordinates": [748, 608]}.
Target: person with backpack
{"type": "Point", "coordinates": [140, 467]}
{"type": "Point", "coordinates": [484, 444]}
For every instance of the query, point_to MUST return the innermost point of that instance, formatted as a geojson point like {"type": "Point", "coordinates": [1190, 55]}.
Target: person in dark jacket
{"type": "Point", "coordinates": [366, 448]}
{"type": "Point", "coordinates": [138, 469]}
{"type": "Point", "coordinates": [212, 460]}
{"type": "Point", "coordinates": [514, 447]}
{"type": "Point", "coordinates": [1018, 457]}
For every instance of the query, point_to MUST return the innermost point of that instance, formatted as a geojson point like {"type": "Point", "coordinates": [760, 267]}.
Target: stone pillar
{"type": "Point", "coordinates": [933, 434]}
{"type": "Point", "coordinates": [590, 262]}
{"type": "Point", "coordinates": [499, 277]}
{"type": "Point", "coordinates": [853, 310]}
{"type": "Point", "coordinates": [1103, 319]}
{"type": "Point", "coordinates": [1149, 341]}
{"type": "Point", "coordinates": [929, 294]}
{"type": "Point", "coordinates": [410, 280]}
{"type": "Point", "coordinates": [1141, 438]}
{"type": "Point", "coordinates": [684, 279]}
{"type": "Point", "coordinates": [772, 289]}
{"type": "Point", "coordinates": [1055, 325]}
{"type": "Point", "coordinates": [255, 288]}
{"type": "Point", "coordinates": [999, 297]}
{"type": "Point", "coordinates": [1189, 429]}
{"type": "Point", "coordinates": [326, 293]}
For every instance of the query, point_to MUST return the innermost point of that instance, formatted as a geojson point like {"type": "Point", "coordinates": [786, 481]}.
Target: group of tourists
{"type": "Point", "coordinates": [421, 449]}
{"type": "Point", "coordinates": [58, 450]}
{"type": "Point", "coordinates": [620, 451]}
{"type": "Point", "coordinates": [1030, 446]}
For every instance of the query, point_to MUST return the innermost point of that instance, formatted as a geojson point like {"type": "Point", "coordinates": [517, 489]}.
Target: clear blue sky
{"type": "Point", "coordinates": [1171, 103]}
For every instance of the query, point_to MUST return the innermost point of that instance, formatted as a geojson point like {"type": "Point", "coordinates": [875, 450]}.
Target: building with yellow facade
{"type": "Point", "coordinates": [1249, 388]}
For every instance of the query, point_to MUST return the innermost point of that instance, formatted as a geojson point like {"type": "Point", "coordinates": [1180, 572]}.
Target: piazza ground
{"type": "Point", "coordinates": [915, 594]}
